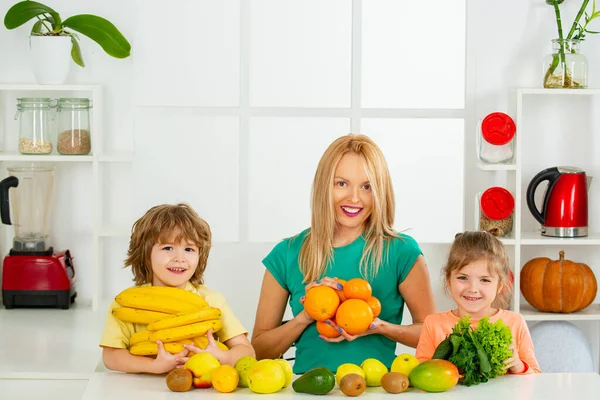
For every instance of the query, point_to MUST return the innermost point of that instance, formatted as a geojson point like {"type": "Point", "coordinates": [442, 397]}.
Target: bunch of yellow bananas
{"type": "Point", "coordinates": [171, 315]}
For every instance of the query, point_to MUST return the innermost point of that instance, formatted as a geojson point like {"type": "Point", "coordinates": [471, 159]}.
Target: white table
{"type": "Point", "coordinates": [540, 386]}
{"type": "Point", "coordinates": [42, 387]}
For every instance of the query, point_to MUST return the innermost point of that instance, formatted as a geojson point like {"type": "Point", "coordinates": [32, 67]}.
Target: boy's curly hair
{"type": "Point", "coordinates": [156, 226]}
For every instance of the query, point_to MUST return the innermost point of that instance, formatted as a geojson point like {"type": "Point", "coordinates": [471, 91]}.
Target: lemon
{"type": "Point", "coordinates": [287, 368]}
{"type": "Point", "coordinates": [374, 371]}
{"type": "Point", "coordinates": [266, 376]}
{"type": "Point", "coordinates": [242, 366]}
{"type": "Point", "coordinates": [346, 369]}
{"type": "Point", "coordinates": [404, 363]}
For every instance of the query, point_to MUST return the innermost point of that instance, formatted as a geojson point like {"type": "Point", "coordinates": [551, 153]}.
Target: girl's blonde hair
{"type": "Point", "coordinates": [469, 247]}
{"type": "Point", "coordinates": [156, 226]}
{"type": "Point", "coordinates": [317, 249]}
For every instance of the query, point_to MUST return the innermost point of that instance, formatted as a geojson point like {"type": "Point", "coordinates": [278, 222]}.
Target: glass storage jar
{"type": "Point", "coordinates": [495, 139]}
{"type": "Point", "coordinates": [496, 211]}
{"type": "Point", "coordinates": [74, 136]}
{"type": "Point", "coordinates": [565, 67]}
{"type": "Point", "coordinates": [35, 117]}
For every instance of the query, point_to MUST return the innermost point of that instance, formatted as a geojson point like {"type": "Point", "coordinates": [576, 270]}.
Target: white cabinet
{"type": "Point", "coordinates": [555, 127]}
{"type": "Point", "coordinates": [87, 264]}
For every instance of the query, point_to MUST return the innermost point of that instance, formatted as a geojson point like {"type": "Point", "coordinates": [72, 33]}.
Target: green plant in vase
{"type": "Point", "coordinates": [49, 23]}
{"type": "Point", "coordinates": [566, 67]}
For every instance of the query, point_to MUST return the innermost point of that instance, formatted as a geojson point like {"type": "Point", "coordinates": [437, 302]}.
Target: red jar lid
{"type": "Point", "coordinates": [497, 203]}
{"type": "Point", "coordinates": [498, 128]}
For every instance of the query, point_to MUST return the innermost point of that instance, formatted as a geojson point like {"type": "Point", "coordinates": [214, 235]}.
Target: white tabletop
{"type": "Point", "coordinates": [540, 386]}
{"type": "Point", "coordinates": [39, 388]}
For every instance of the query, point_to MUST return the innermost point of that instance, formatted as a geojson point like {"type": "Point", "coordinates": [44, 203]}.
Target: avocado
{"type": "Point", "coordinates": [318, 380]}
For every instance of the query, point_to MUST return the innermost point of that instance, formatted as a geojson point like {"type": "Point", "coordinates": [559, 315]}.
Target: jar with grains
{"type": "Point", "coordinates": [74, 136]}
{"type": "Point", "coordinates": [495, 139]}
{"type": "Point", "coordinates": [35, 118]}
{"type": "Point", "coordinates": [496, 211]}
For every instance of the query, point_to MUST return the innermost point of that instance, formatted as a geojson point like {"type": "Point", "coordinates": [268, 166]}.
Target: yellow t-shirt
{"type": "Point", "coordinates": [116, 333]}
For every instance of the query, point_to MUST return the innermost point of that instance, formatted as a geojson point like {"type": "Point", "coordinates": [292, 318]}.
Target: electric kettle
{"type": "Point", "coordinates": [565, 209]}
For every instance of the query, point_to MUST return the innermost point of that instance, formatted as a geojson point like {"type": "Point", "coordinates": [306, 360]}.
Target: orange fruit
{"type": "Point", "coordinates": [354, 316]}
{"type": "Point", "coordinates": [375, 305]}
{"type": "Point", "coordinates": [340, 293]}
{"type": "Point", "coordinates": [357, 288]}
{"type": "Point", "coordinates": [321, 302]}
{"type": "Point", "coordinates": [327, 330]}
{"type": "Point", "coordinates": [225, 378]}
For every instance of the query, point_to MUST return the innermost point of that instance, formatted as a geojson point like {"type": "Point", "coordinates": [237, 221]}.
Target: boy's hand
{"type": "Point", "coordinates": [514, 363]}
{"type": "Point", "coordinates": [165, 361]}
{"type": "Point", "coordinates": [211, 348]}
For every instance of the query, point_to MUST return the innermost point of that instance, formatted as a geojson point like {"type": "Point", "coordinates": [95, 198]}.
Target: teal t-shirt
{"type": "Point", "coordinates": [312, 351]}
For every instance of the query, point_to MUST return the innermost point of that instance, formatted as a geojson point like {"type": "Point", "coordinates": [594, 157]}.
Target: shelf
{"type": "Point", "coordinates": [44, 157]}
{"type": "Point", "coordinates": [116, 157]}
{"type": "Point", "coordinates": [496, 167]}
{"type": "Point", "coordinates": [49, 88]}
{"type": "Point", "coordinates": [590, 313]}
{"type": "Point", "coordinates": [536, 238]}
{"type": "Point", "coordinates": [507, 240]}
{"type": "Point", "coordinates": [577, 92]}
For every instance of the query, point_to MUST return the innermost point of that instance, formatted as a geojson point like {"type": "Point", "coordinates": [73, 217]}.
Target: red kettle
{"type": "Point", "coordinates": [565, 209]}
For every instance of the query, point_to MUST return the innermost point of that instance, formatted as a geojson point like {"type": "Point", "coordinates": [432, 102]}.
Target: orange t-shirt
{"type": "Point", "coordinates": [437, 327]}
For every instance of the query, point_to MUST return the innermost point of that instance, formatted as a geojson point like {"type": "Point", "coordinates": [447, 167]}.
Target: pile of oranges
{"type": "Point", "coordinates": [353, 308]}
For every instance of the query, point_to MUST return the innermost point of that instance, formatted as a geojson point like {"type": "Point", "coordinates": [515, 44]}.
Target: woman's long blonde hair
{"type": "Point", "coordinates": [317, 249]}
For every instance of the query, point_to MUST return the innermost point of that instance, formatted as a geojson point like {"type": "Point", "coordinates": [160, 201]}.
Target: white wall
{"type": "Point", "coordinates": [200, 69]}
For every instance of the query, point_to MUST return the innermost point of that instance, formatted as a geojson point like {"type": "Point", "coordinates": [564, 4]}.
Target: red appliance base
{"type": "Point", "coordinates": [38, 298]}
{"type": "Point", "coordinates": [38, 280]}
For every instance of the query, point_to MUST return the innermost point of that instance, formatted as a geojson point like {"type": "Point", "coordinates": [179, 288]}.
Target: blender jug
{"type": "Point", "coordinates": [30, 202]}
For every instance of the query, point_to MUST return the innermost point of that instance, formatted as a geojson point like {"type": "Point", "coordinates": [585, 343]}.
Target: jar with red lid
{"type": "Point", "coordinates": [496, 139]}
{"type": "Point", "coordinates": [496, 211]}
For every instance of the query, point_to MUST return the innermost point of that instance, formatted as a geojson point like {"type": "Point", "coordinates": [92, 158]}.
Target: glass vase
{"type": "Point", "coordinates": [565, 67]}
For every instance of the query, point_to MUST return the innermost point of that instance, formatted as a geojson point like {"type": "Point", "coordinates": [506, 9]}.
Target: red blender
{"type": "Point", "coordinates": [33, 274]}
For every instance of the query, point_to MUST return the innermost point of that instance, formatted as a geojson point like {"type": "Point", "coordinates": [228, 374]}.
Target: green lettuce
{"type": "Point", "coordinates": [479, 354]}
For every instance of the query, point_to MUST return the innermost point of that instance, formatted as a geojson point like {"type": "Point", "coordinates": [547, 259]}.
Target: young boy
{"type": "Point", "coordinates": [169, 246]}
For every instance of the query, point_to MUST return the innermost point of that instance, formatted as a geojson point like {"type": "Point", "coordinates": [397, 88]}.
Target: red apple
{"type": "Point", "coordinates": [201, 366]}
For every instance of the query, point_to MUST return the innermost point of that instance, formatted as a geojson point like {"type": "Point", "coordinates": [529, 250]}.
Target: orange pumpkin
{"type": "Point", "coordinates": [354, 316]}
{"type": "Point", "coordinates": [321, 302]}
{"type": "Point", "coordinates": [558, 285]}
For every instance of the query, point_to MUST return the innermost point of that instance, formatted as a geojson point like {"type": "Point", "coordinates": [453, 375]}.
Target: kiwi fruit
{"type": "Point", "coordinates": [353, 385]}
{"type": "Point", "coordinates": [394, 382]}
{"type": "Point", "coordinates": [179, 380]}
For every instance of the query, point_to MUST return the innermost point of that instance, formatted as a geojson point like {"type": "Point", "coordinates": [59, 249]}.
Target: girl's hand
{"type": "Point", "coordinates": [165, 361]}
{"type": "Point", "coordinates": [376, 327]}
{"type": "Point", "coordinates": [514, 363]}
{"type": "Point", "coordinates": [211, 348]}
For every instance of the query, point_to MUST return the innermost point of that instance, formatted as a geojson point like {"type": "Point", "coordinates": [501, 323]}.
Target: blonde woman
{"type": "Point", "coordinates": [351, 236]}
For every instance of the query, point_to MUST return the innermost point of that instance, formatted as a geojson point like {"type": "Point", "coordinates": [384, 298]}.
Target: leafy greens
{"type": "Point", "coordinates": [479, 354]}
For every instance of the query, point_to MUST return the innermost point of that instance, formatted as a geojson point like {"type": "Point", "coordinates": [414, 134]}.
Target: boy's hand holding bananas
{"type": "Point", "coordinates": [173, 316]}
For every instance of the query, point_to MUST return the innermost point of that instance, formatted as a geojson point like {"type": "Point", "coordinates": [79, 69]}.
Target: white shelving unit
{"type": "Point", "coordinates": [96, 158]}
{"type": "Point", "coordinates": [524, 239]}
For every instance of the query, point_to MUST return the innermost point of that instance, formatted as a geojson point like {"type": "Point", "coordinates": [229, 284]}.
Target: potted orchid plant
{"type": "Point", "coordinates": [52, 38]}
{"type": "Point", "coordinates": [566, 67]}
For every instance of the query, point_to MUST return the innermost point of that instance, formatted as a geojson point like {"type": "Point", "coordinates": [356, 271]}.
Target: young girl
{"type": "Point", "coordinates": [476, 274]}
{"type": "Point", "coordinates": [169, 246]}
